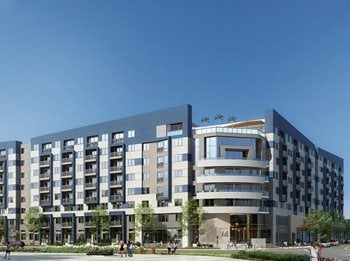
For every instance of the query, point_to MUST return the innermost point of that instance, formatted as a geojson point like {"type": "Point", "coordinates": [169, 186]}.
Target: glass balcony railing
{"type": "Point", "coordinates": [228, 130]}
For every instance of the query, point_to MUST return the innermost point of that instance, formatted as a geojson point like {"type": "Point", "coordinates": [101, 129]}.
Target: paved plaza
{"type": "Point", "coordinates": [68, 257]}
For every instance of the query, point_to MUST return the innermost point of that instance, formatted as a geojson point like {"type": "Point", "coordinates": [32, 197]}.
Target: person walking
{"type": "Point", "coordinates": [131, 249]}
{"type": "Point", "coordinates": [313, 252]}
{"type": "Point", "coordinates": [169, 247]}
{"type": "Point", "coordinates": [121, 248]}
{"type": "Point", "coordinates": [175, 247]}
{"type": "Point", "coordinates": [8, 250]}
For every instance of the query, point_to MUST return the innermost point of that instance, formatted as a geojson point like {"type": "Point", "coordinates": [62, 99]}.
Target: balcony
{"type": "Point", "coordinates": [66, 161]}
{"type": "Point", "coordinates": [283, 198]}
{"type": "Point", "coordinates": [68, 147]}
{"type": "Point", "coordinates": [90, 157]}
{"type": "Point", "coordinates": [207, 130]}
{"type": "Point", "coordinates": [117, 141]}
{"type": "Point", "coordinates": [1, 192]}
{"type": "Point", "coordinates": [90, 224]}
{"type": "Point", "coordinates": [90, 172]}
{"type": "Point", "coordinates": [115, 223]}
{"type": "Point", "coordinates": [116, 154]}
{"type": "Point", "coordinates": [44, 175]}
{"type": "Point", "coordinates": [67, 201]}
{"type": "Point", "coordinates": [91, 199]}
{"type": "Point", "coordinates": [1, 180]}
{"type": "Point", "coordinates": [67, 187]}
{"type": "Point", "coordinates": [92, 144]}
{"type": "Point", "coordinates": [67, 174]}
{"type": "Point", "coordinates": [116, 197]}
{"type": "Point", "coordinates": [297, 201]}
{"type": "Point", "coordinates": [116, 183]}
{"type": "Point", "coordinates": [66, 224]}
{"type": "Point", "coordinates": [298, 187]}
{"type": "Point", "coordinates": [263, 209]}
{"type": "Point", "coordinates": [46, 151]}
{"type": "Point", "coordinates": [45, 202]}
{"type": "Point", "coordinates": [45, 189]}
{"type": "Point", "coordinates": [90, 185]}
{"type": "Point", "coordinates": [1, 169]}
{"type": "Point", "coordinates": [116, 168]}
{"type": "Point", "coordinates": [221, 162]}
{"type": "Point", "coordinates": [44, 163]}
{"type": "Point", "coordinates": [230, 177]}
{"type": "Point", "coordinates": [225, 194]}
{"type": "Point", "coordinates": [265, 194]}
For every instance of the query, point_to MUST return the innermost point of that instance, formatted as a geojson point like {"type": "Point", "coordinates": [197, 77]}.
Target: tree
{"type": "Point", "coordinates": [192, 219]}
{"type": "Point", "coordinates": [219, 117]}
{"type": "Point", "coordinates": [3, 228]}
{"type": "Point", "coordinates": [144, 221]}
{"type": "Point", "coordinates": [205, 119]}
{"type": "Point", "coordinates": [34, 221]}
{"type": "Point", "coordinates": [100, 219]}
{"type": "Point", "coordinates": [319, 223]}
{"type": "Point", "coordinates": [231, 118]}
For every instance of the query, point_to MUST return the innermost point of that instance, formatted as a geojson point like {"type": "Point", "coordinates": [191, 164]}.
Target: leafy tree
{"type": "Point", "coordinates": [192, 219]}
{"type": "Point", "coordinates": [144, 220]}
{"type": "Point", "coordinates": [101, 222]}
{"type": "Point", "coordinates": [319, 223]}
{"type": "Point", "coordinates": [34, 221]}
{"type": "Point", "coordinates": [3, 228]}
{"type": "Point", "coordinates": [205, 119]}
{"type": "Point", "coordinates": [231, 118]}
{"type": "Point", "coordinates": [219, 117]}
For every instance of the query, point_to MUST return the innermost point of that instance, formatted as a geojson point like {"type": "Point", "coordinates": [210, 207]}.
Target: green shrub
{"type": "Point", "coordinates": [105, 251]}
{"type": "Point", "coordinates": [263, 255]}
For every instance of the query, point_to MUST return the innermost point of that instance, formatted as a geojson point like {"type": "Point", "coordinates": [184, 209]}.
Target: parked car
{"type": "Point", "coordinates": [334, 243]}
{"type": "Point", "coordinates": [325, 243]}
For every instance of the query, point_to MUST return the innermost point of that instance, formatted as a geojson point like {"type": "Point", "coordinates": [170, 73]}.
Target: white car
{"type": "Point", "coordinates": [325, 243]}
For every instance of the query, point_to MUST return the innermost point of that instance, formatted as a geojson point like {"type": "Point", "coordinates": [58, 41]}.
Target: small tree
{"type": "Point", "coordinates": [34, 221]}
{"type": "Point", "coordinates": [144, 220]}
{"type": "Point", "coordinates": [3, 228]}
{"type": "Point", "coordinates": [205, 119]}
{"type": "Point", "coordinates": [219, 117]}
{"type": "Point", "coordinates": [319, 224]}
{"type": "Point", "coordinates": [192, 219]}
{"type": "Point", "coordinates": [231, 118]}
{"type": "Point", "coordinates": [101, 222]}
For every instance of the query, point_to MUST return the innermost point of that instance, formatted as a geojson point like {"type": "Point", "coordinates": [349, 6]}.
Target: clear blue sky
{"type": "Point", "coordinates": [66, 64]}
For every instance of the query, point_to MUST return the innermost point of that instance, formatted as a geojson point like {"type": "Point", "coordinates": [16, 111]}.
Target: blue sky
{"type": "Point", "coordinates": [65, 64]}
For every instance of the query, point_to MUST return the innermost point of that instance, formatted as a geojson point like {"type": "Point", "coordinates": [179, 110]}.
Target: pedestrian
{"type": "Point", "coordinates": [8, 250]}
{"type": "Point", "coordinates": [313, 252]}
{"type": "Point", "coordinates": [131, 248]}
{"type": "Point", "coordinates": [169, 247]}
{"type": "Point", "coordinates": [235, 244]}
{"type": "Point", "coordinates": [121, 248]}
{"type": "Point", "coordinates": [175, 247]}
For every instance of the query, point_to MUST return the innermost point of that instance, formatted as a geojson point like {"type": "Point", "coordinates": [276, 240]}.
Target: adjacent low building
{"type": "Point", "coordinates": [253, 179]}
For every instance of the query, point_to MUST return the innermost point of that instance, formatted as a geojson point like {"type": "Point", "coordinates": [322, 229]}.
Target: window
{"type": "Point", "coordinates": [178, 202]}
{"type": "Point", "coordinates": [131, 147]}
{"type": "Point", "coordinates": [162, 218]}
{"type": "Point", "coordinates": [145, 162]}
{"type": "Point", "coordinates": [118, 136]}
{"type": "Point", "coordinates": [57, 196]}
{"type": "Point", "coordinates": [145, 176]}
{"type": "Point", "coordinates": [104, 165]}
{"type": "Point", "coordinates": [56, 170]}
{"type": "Point", "coordinates": [131, 191]}
{"type": "Point", "coordinates": [160, 176]}
{"type": "Point", "coordinates": [92, 139]}
{"type": "Point", "coordinates": [36, 147]}
{"type": "Point", "coordinates": [178, 173]}
{"type": "Point", "coordinates": [57, 144]}
{"type": "Point", "coordinates": [131, 133]}
{"type": "Point", "coordinates": [130, 176]}
{"type": "Point", "coordinates": [177, 142]}
{"type": "Point", "coordinates": [69, 143]}
{"type": "Point", "coordinates": [104, 151]}
{"type": "Point", "coordinates": [162, 146]}
{"type": "Point", "coordinates": [131, 162]}
{"type": "Point", "coordinates": [178, 217]}
{"type": "Point", "coordinates": [56, 157]}
{"type": "Point", "coordinates": [80, 140]}
{"type": "Point", "coordinates": [80, 195]}
{"type": "Point", "coordinates": [80, 154]}
{"type": "Point", "coordinates": [104, 137]}
{"type": "Point", "coordinates": [104, 193]}
{"type": "Point", "coordinates": [146, 146]}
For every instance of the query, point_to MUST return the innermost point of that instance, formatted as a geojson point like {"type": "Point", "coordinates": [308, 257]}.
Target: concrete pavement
{"type": "Point", "coordinates": [20, 256]}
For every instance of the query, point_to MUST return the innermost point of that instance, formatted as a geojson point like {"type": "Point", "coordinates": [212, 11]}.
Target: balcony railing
{"type": "Point", "coordinates": [116, 168]}
{"type": "Point", "coordinates": [115, 223]}
{"type": "Point", "coordinates": [90, 171]}
{"type": "Point", "coordinates": [90, 199]}
{"type": "Point", "coordinates": [44, 189]}
{"type": "Point", "coordinates": [117, 140]}
{"type": "Point", "coordinates": [67, 224]}
{"type": "Point", "coordinates": [116, 154]}
{"type": "Point", "coordinates": [116, 197]}
{"type": "Point", "coordinates": [1, 169]}
{"type": "Point", "coordinates": [263, 209]}
{"type": "Point", "coordinates": [67, 160]}
{"type": "Point", "coordinates": [44, 176]}
{"type": "Point", "coordinates": [44, 162]}
{"type": "Point", "coordinates": [116, 182]}
{"type": "Point", "coordinates": [68, 147]}
{"type": "Point", "coordinates": [48, 150]}
{"type": "Point", "coordinates": [67, 201]}
{"type": "Point", "coordinates": [67, 187]}
{"type": "Point", "coordinates": [90, 157]}
{"type": "Point", "coordinates": [45, 201]}
{"type": "Point", "coordinates": [90, 185]}
{"type": "Point", "coordinates": [67, 173]}
{"type": "Point", "coordinates": [228, 130]}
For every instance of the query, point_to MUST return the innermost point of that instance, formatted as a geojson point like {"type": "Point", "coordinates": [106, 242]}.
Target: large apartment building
{"type": "Point", "coordinates": [253, 179]}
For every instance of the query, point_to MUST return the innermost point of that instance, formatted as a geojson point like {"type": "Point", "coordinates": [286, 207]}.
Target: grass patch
{"type": "Point", "coordinates": [265, 255]}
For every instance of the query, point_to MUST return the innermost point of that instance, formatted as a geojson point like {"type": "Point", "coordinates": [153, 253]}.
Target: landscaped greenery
{"type": "Point", "coordinates": [264, 255]}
